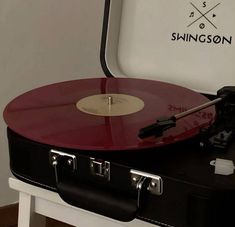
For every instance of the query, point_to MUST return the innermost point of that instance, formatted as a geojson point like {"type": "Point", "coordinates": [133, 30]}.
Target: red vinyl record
{"type": "Point", "coordinates": [105, 114]}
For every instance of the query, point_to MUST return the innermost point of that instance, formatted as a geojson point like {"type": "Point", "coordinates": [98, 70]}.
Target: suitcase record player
{"type": "Point", "coordinates": [160, 147]}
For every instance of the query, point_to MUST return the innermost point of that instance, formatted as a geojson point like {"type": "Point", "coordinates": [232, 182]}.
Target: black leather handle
{"type": "Point", "coordinates": [98, 200]}
{"type": "Point", "coordinates": [90, 193]}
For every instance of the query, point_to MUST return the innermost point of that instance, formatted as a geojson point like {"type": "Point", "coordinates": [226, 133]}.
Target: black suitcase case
{"type": "Point", "coordinates": [175, 186]}
{"type": "Point", "coordinates": [185, 191]}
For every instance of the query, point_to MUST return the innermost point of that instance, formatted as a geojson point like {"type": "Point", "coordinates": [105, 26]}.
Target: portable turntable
{"type": "Point", "coordinates": [157, 148]}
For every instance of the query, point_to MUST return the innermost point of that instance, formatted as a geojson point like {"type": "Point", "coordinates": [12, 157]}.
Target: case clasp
{"type": "Point", "coordinates": [100, 168]}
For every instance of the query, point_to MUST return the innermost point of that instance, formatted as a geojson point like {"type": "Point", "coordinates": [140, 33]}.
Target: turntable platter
{"type": "Point", "coordinates": [65, 114]}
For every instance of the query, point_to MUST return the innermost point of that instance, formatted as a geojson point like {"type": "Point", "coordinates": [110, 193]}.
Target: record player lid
{"type": "Point", "coordinates": [51, 114]}
{"type": "Point", "coordinates": [184, 48]}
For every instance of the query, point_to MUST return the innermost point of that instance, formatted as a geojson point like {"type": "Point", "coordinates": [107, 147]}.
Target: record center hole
{"type": "Point", "coordinates": [110, 100]}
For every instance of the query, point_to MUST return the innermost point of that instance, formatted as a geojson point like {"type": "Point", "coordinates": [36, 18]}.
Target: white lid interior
{"type": "Point", "coordinates": [140, 42]}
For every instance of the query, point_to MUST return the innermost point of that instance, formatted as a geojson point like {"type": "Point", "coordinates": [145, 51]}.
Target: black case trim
{"type": "Point", "coordinates": [29, 181]}
{"type": "Point", "coordinates": [104, 40]}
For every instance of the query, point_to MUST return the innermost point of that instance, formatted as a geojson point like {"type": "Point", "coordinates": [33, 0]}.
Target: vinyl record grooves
{"type": "Point", "coordinates": [52, 114]}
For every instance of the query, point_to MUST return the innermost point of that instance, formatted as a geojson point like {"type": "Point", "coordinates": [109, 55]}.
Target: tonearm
{"type": "Point", "coordinates": [219, 133]}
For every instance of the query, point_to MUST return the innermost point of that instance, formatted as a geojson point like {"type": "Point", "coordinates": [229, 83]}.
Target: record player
{"type": "Point", "coordinates": [159, 148]}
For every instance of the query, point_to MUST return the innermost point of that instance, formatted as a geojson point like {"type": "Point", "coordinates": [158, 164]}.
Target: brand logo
{"type": "Point", "coordinates": [202, 38]}
{"type": "Point", "coordinates": [202, 16]}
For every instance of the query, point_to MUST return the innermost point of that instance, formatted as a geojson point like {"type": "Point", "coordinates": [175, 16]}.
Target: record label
{"type": "Point", "coordinates": [110, 104]}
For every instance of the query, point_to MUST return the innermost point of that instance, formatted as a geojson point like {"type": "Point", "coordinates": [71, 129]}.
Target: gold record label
{"type": "Point", "coordinates": [110, 104]}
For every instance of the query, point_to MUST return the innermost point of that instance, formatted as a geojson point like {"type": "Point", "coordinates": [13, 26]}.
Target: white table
{"type": "Point", "coordinates": [34, 200]}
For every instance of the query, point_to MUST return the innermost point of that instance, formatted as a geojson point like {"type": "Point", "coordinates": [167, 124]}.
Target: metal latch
{"type": "Point", "coordinates": [155, 183]}
{"type": "Point", "coordinates": [100, 168]}
{"type": "Point", "coordinates": [69, 160]}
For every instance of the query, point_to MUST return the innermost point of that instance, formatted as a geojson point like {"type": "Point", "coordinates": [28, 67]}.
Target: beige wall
{"type": "Point", "coordinates": [43, 42]}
